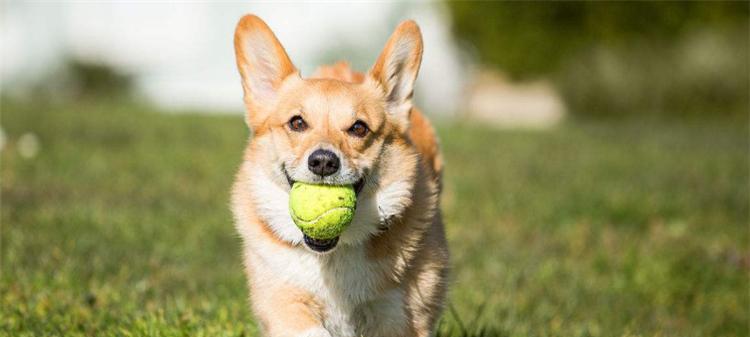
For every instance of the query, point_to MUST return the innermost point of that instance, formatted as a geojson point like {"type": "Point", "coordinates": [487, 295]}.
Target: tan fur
{"type": "Point", "coordinates": [339, 71]}
{"type": "Point", "coordinates": [388, 283]}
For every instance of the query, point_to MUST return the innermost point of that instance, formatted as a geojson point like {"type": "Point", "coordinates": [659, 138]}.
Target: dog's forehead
{"type": "Point", "coordinates": [332, 98]}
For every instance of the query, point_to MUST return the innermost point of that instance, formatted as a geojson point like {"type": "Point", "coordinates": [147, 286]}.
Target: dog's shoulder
{"type": "Point", "coordinates": [423, 136]}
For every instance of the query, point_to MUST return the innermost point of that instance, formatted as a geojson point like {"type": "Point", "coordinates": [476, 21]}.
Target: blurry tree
{"type": "Point", "coordinates": [75, 78]}
{"type": "Point", "coordinates": [532, 38]}
{"type": "Point", "coordinates": [595, 49]}
{"type": "Point", "coordinates": [97, 79]}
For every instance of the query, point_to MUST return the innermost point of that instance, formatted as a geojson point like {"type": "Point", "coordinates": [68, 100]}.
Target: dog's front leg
{"type": "Point", "coordinates": [285, 311]}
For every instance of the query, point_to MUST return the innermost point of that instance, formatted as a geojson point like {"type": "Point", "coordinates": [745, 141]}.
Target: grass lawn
{"type": "Point", "coordinates": [120, 227]}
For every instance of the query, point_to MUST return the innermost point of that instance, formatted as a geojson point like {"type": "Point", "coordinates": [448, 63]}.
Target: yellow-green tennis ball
{"type": "Point", "coordinates": [322, 211]}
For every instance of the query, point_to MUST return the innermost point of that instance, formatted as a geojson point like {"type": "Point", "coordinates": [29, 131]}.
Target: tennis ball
{"type": "Point", "coordinates": [322, 211]}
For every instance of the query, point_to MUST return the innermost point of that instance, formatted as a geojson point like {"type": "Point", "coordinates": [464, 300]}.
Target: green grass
{"type": "Point", "coordinates": [120, 227]}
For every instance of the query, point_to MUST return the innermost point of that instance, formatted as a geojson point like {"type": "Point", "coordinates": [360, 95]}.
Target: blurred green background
{"type": "Point", "coordinates": [619, 58]}
{"type": "Point", "coordinates": [629, 218]}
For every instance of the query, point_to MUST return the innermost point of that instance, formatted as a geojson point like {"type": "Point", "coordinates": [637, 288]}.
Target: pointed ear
{"type": "Point", "coordinates": [263, 65]}
{"type": "Point", "coordinates": [397, 67]}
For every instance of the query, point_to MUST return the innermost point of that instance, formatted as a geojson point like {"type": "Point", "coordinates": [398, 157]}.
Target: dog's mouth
{"type": "Point", "coordinates": [357, 185]}
{"type": "Point", "coordinates": [320, 246]}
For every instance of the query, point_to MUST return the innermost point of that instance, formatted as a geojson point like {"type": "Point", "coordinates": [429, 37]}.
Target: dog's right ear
{"type": "Point", "coordinates": [396, 70]}
{"type": "Point", "coordinates": [263, 65]}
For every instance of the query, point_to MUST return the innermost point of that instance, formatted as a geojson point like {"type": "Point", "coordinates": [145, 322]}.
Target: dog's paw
{"type": "Point", "coordinates": [315, 332]}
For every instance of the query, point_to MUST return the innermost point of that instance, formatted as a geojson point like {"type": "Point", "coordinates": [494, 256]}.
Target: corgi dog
{"type": "Point", "coordinates": [385, 275]}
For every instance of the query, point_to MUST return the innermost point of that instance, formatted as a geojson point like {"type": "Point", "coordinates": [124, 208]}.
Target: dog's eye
{"type": "Point", "coordinates": [298, 124]}
{"type": "Point", "coordinates": [359, 129]}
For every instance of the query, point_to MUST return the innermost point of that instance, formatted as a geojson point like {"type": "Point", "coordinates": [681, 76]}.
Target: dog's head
{"type": "Point", "coordinates": [328, 131]}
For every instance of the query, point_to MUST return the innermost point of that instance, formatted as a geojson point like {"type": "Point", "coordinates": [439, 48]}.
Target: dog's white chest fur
{"type": "Point", "coordinates": [346, 284]}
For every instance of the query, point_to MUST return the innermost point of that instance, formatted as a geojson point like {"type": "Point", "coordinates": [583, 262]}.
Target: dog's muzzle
{"type": "Point", "coordinates": [357, 185]}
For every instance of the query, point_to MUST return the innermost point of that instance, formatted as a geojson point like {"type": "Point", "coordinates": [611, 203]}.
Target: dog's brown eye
{"type": "Point", "coordinates": [297, 124]}
{"type": "Point", "coordinates": [359, 129]}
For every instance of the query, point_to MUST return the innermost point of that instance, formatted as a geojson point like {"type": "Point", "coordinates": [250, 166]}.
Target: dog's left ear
{"type": "Point", "coordinates": [396, 69]}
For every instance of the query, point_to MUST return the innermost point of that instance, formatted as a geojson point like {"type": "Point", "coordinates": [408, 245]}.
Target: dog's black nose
{"type": "Point", "coordinates": [323, 162]}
